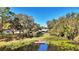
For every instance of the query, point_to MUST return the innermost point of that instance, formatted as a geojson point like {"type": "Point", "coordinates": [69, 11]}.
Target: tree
{"type": "Point", "coordinates": [25, 25]}
{"type": "Point", "coordinates": [5, 13]}
{"type": "Point", "coordinates": [50, 24]}
{"type": "Point", "coordinates": [67, 25]}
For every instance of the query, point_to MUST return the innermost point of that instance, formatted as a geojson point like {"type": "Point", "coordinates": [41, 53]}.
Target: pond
{"type": "Point", "coordinates": [43, 47]}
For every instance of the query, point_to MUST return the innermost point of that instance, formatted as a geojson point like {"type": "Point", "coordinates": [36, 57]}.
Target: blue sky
{"type": "Point", "coordinates": [42, 14]}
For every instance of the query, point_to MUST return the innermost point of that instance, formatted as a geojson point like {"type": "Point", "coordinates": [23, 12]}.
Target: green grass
{"type": "Point", "coordinates": [60, 44]}
{"type": "Point", "coordinates": [15, 45]}
{"type": "Point", "coordinates": [56, 43]}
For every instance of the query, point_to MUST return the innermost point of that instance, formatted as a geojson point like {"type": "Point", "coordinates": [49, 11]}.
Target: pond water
{"type": "Point", "coordinates": [43, 47]}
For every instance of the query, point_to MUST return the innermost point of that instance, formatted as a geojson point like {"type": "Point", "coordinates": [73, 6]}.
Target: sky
{"type": "Point", "coordinates": [43, 14]}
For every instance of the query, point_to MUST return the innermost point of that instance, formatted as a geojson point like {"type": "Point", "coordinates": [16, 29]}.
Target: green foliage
{"type": "Point", "coordinates": [6, 26]}
{"type": "Point", "coordinates": [67, 30]}
{"type": "Point", "coordinates": [76, 38]}
{"type": "Point", "coordinates": [4, 11]}
{"type": "Point", "coordinates": [68, 25]}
